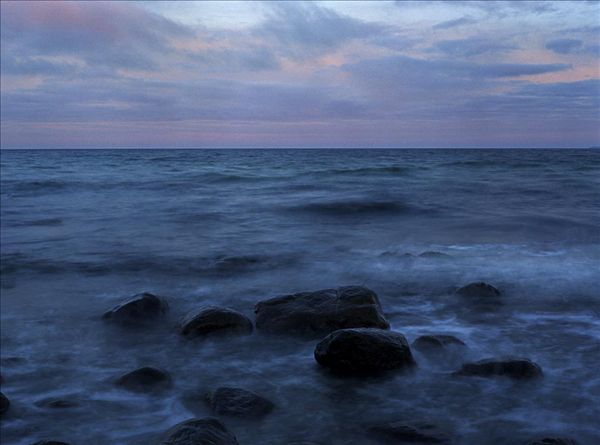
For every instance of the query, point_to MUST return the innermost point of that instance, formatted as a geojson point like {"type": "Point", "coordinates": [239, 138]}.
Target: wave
{"type": "Point", "coordinates": [204, 266]}
{"type": "Point", "coordinates": [354, 207]}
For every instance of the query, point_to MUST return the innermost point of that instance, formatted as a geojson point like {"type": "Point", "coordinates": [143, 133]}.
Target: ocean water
{"type": "Point", "coordinates": [81, 230]}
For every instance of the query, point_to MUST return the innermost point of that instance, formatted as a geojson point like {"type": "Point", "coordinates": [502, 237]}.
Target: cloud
{"type": "Point", "coordinates": [100, 33]}
{"type": "Point", "coordinates": [564, 46]}
{"type": "Point", "coordinates": [304, 29]}
{"type": "Point", "coordinates": [454, 23]}
{"type": "Point", "coordinates": [473, 46]}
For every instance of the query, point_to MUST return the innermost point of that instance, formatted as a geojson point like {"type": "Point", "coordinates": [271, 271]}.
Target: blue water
{"type": "Point", "coordinates": [81, 230]}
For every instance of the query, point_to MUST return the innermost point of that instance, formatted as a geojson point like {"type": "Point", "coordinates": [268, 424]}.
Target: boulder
{"type": "Point", "coordinates": [321, 312]}
{"type": "Point", "coordinates": [553, 441]}
{"type": "Point", "coordinates": [364, 351]}
{"type": "Point", "coordinates": [515, 368]}
{"type": "Point", "coordinates": [478, 290]}
{"type": "Point", "coordinates": [206, 431]}
{"type": "Point", "coordinates": [139, 309]}
{"type": "Point", "coordinates": [215, 320]}
{"type": "Point", "coordinates": [238, 402]}
{"type": "Point", "coordinates": [4, 403]}
{"type": "Point", "coordinates": [436, 342]}
{"type": "Point", "coordinates": [145, 379]}
{"type": "Point", "coordinates": [401, 432]}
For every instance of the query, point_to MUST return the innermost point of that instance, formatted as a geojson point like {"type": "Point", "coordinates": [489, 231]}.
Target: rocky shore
{"type": "Point", "coordinates": [352, 338]}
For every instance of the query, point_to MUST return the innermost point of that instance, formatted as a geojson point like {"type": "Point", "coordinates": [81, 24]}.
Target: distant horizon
{"type": "Point", "coordinates": [316, 74]}
{"type": "Point", "coordinates": [299, 148]}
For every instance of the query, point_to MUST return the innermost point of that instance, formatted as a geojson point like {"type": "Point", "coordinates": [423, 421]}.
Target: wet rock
{"type": "Point", "coordinates": [436, 342]}
{"type": "Point", "coordinates": [206, 431]}
{"type": "Point", "coordinates": [145, 379]}
{"type": "Point", "coordinates": [139, 309]}
{"type": "Point", "coordinates": [56, 403]}
{"type": "Point", "coordinates": [364, 351]}
{"type": "Point", "coordinates": [478, 290]}
{"type": "Point", "coordinates": [553, 441]}
{"type": "Point", "coordinates": [515, 368]}
{"type": "Point", "coordinates": [4, 404]}
{"type": "Point", "coordinates": [215, 320]}
{"type": "Point", "coordinates": [238, 402]}
{"type": "Point", "coordinates": [401, 432]}
{"type": "Point", "coordinates": [321, 312]}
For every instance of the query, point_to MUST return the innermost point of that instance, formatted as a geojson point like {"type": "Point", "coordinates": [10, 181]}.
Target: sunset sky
{"type": "Point", "coordinates": [292, 74]}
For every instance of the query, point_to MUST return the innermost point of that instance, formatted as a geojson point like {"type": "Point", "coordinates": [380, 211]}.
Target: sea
{"type": "Point", "coordinates": [82, 230]}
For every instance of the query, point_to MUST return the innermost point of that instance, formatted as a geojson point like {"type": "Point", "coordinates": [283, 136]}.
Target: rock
{"type": "Point", "coordinates": [145, 379]}
{"type": "Point", "coordinates": [238, 402]}
{"type": "Point", "coordinates": [553, 441]}
{"type": "Point", "coordinates": [215, 320]}
{"type": "Point", "coordinates": [364, 351]}
{"type": "Point", "coordinates": [56, 403]}
{"type": "Point", "coordinates": [206, 431]}
{"type": "Point", "coordinates": [4, 403]}
{"type": "Point", "coordinates": [514, 368]}
{"type": "Point", "coordinates": [139, 309]}
{"type": "Point", "coordinates": [400, 432]}
{"type": "Point", "coordinates": [478, 290]}
{"type": "Point", "coordinates": [435, 342]}
{"type": "Point", "coordinates": [321, 312]}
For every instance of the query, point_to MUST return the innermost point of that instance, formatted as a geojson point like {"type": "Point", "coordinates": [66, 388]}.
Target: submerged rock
{"type": "Point", "coordinates": [436, 342]}
{"type": "Point", "coordinates": [478, 290]}
{"type": "Point", "coordinates": [145, 379]}
{"type": "Point", "coordinates": [139, 309]}
{"type": "Point", "coordinates": [207, 431]}
{"type": "Point", "coordinates": [364, 351]}
{"type": "Point", "coordinates": [515, 368]}
{"type": "Point", "coordinates": [4, 403]}
{"type": "Point", "coordinates": [238, 402]}
{"type": "Point", "coordinates": [400, 432]}
{"type": "Point", "coordinates": [553, 441]}
{"type": "Point", "coordinates": [215, 320]}
{"type": "Point", "coordinates": [321, 312]}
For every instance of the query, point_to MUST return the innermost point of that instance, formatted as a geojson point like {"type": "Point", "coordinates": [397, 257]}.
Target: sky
{"type": "Point", "coordinates": [300, 74]}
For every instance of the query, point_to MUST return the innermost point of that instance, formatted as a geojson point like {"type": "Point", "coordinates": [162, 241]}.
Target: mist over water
{"type": "Point", "coordinates": [82, 230]}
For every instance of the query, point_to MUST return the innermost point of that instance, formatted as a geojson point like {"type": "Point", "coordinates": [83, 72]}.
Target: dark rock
{"type": "Point", "coordinates": [207, 431]}
{"type": "Point", "coordinates": [435, 342]}
{"type": "Point", "coordinates": [364, 351]}
{"type": "Point", "coordinates": [238, 402]}
{"type": "Point", "coordinates": [215, 320]}
{"type": "Point", "coordinates": [321, 312]}
{"type": "Point", "coordinates": [49, 442]}
{"type": "Point", "coordinates": [553, 441]}
{"type": "Point", "coordinates": [56, 403]}
{"type": "Point", "coordinates": [400, 432]}
{"type": "Point", "coordinates": [139, 309]}
{"type": "Point", "coordinates": [514, 368]}
{"type": "Point", "coordinates": [4, 403]}
{"type": "Point", "coordinates": [145, 379]}
{"type": "Point", "coordinates": [478, 290]}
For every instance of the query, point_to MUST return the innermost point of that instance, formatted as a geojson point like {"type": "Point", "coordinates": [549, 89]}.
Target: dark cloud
{"type": "Point", "coordinates": [473, 46]}
{"type": "Point", "coordinates": [305, 29]}
{"type": "Point", "coordinates": [564, 46]}
{"type": "Point", "coordinates": [454, 23]}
